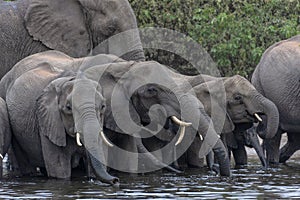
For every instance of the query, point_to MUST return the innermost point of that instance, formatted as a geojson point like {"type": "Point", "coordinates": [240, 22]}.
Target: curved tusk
{"type": "Point", "coordinates": [78, 140]}
{"type": "Point", "coordinates": [258, 117]}
{"type": "Point", "coordinates": [201, 137]}
{"type": "Point", "coordinates": [106, 141]}
{"type": "Point", "coordinates": [179, 122]}
{"type": "Point", "coordinates": [181, 135]}
{"type": "Point", "coordinates": [1, 156]}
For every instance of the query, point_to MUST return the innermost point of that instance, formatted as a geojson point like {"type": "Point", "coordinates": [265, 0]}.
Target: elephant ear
{"type": "Point", "coordinates": [48, 113]}
{"type": "Point", "coordinates": [59, 25]}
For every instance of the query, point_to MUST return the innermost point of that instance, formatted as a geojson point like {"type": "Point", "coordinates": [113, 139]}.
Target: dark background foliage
{"type": "Point", "coordinates": [234, 32]}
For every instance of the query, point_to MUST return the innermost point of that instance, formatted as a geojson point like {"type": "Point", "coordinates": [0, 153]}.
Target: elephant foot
{"type": "Point", "coordinates": [286, 152]}
{"type": "Point", "coordinates": [215, 169]}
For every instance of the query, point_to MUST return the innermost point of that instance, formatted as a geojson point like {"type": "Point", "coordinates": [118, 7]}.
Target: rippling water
{"type": "Point", "coordinates": [248, 183]}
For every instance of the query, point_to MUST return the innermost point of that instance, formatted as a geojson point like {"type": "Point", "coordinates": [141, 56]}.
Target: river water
{"type": "Point", "coordinates": [250, 182]}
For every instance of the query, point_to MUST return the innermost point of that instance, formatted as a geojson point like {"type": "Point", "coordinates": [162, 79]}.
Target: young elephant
{"type": "Point", "coordinates": [5, 133]}
{"type": "Point", "coordinates": [48, 108]}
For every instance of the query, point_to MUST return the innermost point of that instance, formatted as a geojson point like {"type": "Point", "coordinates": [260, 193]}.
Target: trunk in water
{"type": "Point", "coordinates": [93, 144]}
{"type": "Point", "coordinates": [193, 111]}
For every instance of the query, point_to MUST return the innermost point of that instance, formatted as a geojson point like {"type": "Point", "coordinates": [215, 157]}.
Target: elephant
{"type": "Point", "coordinates": [236, 105]}
{"type": "Point", "coordinates": [47, 126]}
{"type": "Point", "coordinates": [75, 27]}
{"type": "Point", "coordinates": [277, 78]}
{"type": "Point", "coordinates": [5, 133]}
{"type": "Point", "coordinates": [131, 84]}
{"type": "Point", "coordinates": [243, 106]}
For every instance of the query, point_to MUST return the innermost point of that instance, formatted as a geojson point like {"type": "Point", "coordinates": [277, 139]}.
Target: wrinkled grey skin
{"type": "Point", "coordinates": [277, 78]}
{"type": "Point", "coordinates": [242, 101]}
{"type": "Point", "coordinates": [5, 132]}
{"type": "Point", "coordinates": [43, 125]}
{"type": "Point", "coordinates": [115, 77]}
{"type": "Point", "coordinates": [75, 27]}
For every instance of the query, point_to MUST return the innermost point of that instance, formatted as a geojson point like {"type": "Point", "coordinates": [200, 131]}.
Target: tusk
{"type": "Point", "coordinates": [78, 140]}
{"type": "Point", "coordinates": [258, 117]}
{"type": "Point", "coordinates": [106, 141]}
{"type": "Point", "coordinates": [179, 122]}
{"type": "Point", "coordinates": [201, 137]}
{"type": "Point", "coordinates": [1, 156]}
{"type": "Point", "coordinates": [181, 135]}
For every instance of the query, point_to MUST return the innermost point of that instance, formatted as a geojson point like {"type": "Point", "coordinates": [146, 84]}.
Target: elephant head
{"type": "Point", "coordinates": [244, 104]}
{"type": "Point", "coordinates": [77, 27]}
{"type": "Point", "coordinates": [70, 107]}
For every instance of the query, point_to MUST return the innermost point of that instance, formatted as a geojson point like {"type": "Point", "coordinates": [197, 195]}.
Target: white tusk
{"type": "Point", "coordinates": [179, 122]}
{"type": "Point", "coordinates": [78, 140]}
{"type": "Point", "coordinates": [201, 137]}
{"type": "Point", "coordinates": [181, 135]}
{"type": "Point", "coordinates": [258, 117]}
{"type": "Point", "coordinates": [1, 156]}
{"type": "Point", "coordinates": [106, 141]}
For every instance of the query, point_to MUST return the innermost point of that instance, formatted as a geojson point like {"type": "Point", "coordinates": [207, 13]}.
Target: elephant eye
{"type": "Point", "coordinates": [68, 107]}
{"type": "Point", "coordinates": [238, 97]}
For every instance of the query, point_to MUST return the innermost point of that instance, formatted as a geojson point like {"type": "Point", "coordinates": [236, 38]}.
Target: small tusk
{"type": "Point", "coordinates": [258, 117]}
{"type": "Point", "coordinates": [78, 140]}
{"type": "Point", "coordinates": [179, 122]}
{"type": "Point", "coordinates": [181, 135]}
{"type": "Point", "coordinates": [201, 137]}
{"type": "Point", "coordinates": [1, 156]}
{"type": "Point", "coordinates": [106, 141]}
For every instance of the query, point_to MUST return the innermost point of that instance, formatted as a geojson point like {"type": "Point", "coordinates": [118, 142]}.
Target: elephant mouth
{"type": "Point", "coordinates": [262, 124]}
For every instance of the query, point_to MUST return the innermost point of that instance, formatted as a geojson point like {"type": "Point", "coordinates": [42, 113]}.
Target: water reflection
{"type": "Point", "coordinates": [247, 183]}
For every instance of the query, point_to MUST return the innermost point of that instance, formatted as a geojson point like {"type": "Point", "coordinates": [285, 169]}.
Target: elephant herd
{"type": "Point", "coordinates": [96, 111]}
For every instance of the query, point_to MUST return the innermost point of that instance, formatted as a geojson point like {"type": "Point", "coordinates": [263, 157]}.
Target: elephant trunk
{"type": "Point", "coordinates": [142, 149]}
{"type": "Point", "coordinates": [270, 119]}
{"type": "Point", "coordinates": [251, 140]}
{"type": "Point", "coordinates": [93, 143]}
{"type": "Point", "coordinates": [87, 123]}
{"type": "Point", "coordinates": [193, 111]}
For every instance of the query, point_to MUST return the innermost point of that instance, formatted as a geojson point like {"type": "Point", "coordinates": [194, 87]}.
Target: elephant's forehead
{"type": "Point", "coordinates": [151, 71]}
{"type": "Point", "coordinates": [239, 83]}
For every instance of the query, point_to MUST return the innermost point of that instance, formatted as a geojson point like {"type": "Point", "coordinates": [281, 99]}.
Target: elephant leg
{"type": "Point", "coordinates": [290, 147]}
{"type": "Point", "coordinates": [20, 162]}
{"type": "Point", "coordinates": [272, 149]}
{"type": "Point", "coordinates": [193, 159]}
{"type": "Point", "coordinates": [240, 155]}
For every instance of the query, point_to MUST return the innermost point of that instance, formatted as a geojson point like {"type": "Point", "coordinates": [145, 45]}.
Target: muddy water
{"type": "Point", "coordinates": [248, 183]}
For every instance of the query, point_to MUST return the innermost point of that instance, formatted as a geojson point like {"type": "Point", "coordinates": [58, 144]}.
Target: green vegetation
{"type": "Point", "coordinates": [234, 32]}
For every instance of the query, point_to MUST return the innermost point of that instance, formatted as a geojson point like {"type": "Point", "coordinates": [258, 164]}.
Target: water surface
{"type": "Point", "coordinates": [248, 183]}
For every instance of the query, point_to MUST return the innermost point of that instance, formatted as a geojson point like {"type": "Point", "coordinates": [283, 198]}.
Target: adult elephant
{"type": "Point", "coordinates": [244, 106]}
{"type": "Point", "coordinates": [75, 27]}
{"type": "Point", "coordinates": [43, 105]}
{"type": "Point", "coordinates": [277, 78]}
{"type": "Point", "coordinates": [137, 85]}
